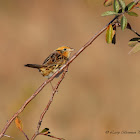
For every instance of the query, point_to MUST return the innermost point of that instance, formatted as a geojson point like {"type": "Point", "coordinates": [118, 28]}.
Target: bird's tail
{"type": "Point", "coordinates": [33, 66]}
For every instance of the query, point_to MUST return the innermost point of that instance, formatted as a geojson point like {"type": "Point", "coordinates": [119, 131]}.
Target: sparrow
{"type": "Point", "coordinates": [53, 62]}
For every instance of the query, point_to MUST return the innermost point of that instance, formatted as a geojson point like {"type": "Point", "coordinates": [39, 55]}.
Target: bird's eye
{"type": "Point", "coordinates": [65, 49]}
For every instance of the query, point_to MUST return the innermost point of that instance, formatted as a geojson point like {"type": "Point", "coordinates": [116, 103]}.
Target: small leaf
{"type": "Point", "coordinates": [18, 123]}
{"type": "Point", "coordinates": [133, 42]}
{"type": "Point", "coordinates": [123, 22]}
{"type": "Point", "coordinates": [108, 13]}
{"type": "Point", "coordinates": [135, 49]}
{"type": "Point", "coordinates": [122, 4]}
{"type": "Point", "coordinates": [133, 14]}
{"type": "Point", "coordinates": [109, 34]}
{"type": "Point", "coordinates": [116, 6]}
{"type": "Point", "coordinates": [45, 131]}
{"type": "Point", "coordinates": [130, 6]}
{"type": "Point", "coordinates": [107, 3]}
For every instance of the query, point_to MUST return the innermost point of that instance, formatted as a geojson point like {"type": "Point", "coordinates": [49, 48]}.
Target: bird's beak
{"type": "Point", "coordinates": [71, 49]}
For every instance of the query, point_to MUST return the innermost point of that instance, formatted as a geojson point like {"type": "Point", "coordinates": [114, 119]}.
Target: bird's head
{"type": "Point", "coordinates": [64, 50]}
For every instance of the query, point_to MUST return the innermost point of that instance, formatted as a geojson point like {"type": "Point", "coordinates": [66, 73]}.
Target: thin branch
{"type": "Point", "coordinates": [136, 1]}
{"type": "Point", "coordinates": [52, 136]}
{"type": "Point", "coordinates": [55, 137]}
{"type": "Point", "coordinates": [135, 32]}
{"type": "Point", "coordinates": [23, 106]}
{"type": "Point", "coordinates": [48, 105]}
{"type": "Point", "coordinates": [24, 134]}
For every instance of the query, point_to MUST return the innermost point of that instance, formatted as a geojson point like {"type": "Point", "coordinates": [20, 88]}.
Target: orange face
{"type": "Point", "coordinates": [64, 50]}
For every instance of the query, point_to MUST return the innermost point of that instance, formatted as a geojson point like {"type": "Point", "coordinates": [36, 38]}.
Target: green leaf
{"type": "Point", "coordinates": [132, 42]}
{"type": "Point", "coordinates": [109, 34]}
{"type": "Point", "coordinates": [123, 22]}
{"type": "Point", "coordinates": [130, 6]}
{"type": "Point", "coordinates": [108, 13]}
{"type": "Point", "coordinates": [45, 131]}
{"type": "Point", "coordinates": [116, 6]}
{"type": "Point", "coordinates": [107, 3]}
{"type": "Point", "coordinates": [122, 4]}
{"type": "Point", "coordinates": [135, 49]}
{"type": "Point", "coordinates": [133, 14]}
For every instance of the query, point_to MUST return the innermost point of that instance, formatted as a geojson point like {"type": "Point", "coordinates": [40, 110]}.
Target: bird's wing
{"type": "Point", "coordinates": [54, 59]}
{"type": "Point", "coordinates": [52, 63]}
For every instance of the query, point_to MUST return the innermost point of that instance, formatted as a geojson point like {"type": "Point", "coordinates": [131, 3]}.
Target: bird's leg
{"type": "Point", "coordinates": [66, 69]}
{"type": "Point", "coordinates": [53, 88]}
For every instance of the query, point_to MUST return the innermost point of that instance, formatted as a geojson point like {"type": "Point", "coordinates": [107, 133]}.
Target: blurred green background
{"type": "Point", "coordinates": [100, 92]}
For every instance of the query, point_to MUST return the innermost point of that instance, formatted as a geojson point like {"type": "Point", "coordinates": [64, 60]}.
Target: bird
{"type": "Point", "coordinates": [53, 62]}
